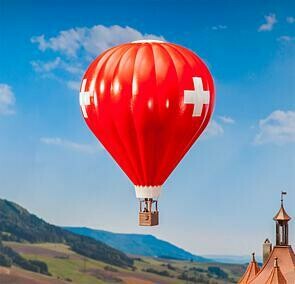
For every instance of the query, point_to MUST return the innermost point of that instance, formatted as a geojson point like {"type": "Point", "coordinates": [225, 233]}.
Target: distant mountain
{"type": "Point", "coordinates": [17, 224]}
{"type": "Point", "coordinates": [135, 244]}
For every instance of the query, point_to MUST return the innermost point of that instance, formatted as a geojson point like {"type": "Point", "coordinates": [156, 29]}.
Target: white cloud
{"type": "Point", "coordinates": [290, 20]}
{"type": "Point", "coordinates": [57, 63]}
{"type": "Point", "coordinates": [226, 119]}
{"type": "Point", "coordinates": [73, 49]}
{"type": "Point", "coordinates": [7, 100]}
{"type": "Point", "coordinates": [56, 141]}
{"type": "Point", "coordinates": [40, 66]}
{"type": "Point", "coordinates": [285, 38]}
{"type": "Point", "coordinates": [271, 20]}
{"type": "Point", "coordinates": [277, 128]}
{"type": "Point", "coordinates": [213, 129]}
{"type": "Point", "coordinates": [91, 41]}
{"type": "Point", "coordinates": [219, 27]}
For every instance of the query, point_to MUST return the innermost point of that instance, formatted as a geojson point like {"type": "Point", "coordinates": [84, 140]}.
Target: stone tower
{"type": "Point", "coordinates": [266, 249]}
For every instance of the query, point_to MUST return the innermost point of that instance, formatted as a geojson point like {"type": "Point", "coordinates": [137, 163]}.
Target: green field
{"type": "Point", "coordinates": [67, 266]}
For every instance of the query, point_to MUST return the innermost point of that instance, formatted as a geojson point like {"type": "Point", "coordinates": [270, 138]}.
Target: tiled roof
{"type": "Point", "coordinates": [276, 276]}
{"type": "Point", "coordinates": [282, 215]}
{"type": "Point", "coordinates": [251, 271]}
{"type": "Point", "coordinates": [286, 258]}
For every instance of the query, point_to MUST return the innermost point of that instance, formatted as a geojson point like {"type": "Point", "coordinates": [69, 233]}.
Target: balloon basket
{"type": "Point", "coordinates": [148, 212]}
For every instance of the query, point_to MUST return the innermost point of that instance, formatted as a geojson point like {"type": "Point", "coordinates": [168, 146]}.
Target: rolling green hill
{"type": "Point", "coordinates": [17, 224]}
{"type": "Point", "coordinates": [35, 252]}
{"type": "Point", "coordinates": [67, 266]}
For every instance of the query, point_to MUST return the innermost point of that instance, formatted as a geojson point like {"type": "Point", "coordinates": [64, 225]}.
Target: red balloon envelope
{"type": "Point", "coordinates": [147, 102]}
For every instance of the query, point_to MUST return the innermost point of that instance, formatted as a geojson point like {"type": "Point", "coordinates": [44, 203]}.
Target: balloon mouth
{"type": "Point", "coordinates": [147, 40]}
{"type": "Point", "coordinates": [148, 191]}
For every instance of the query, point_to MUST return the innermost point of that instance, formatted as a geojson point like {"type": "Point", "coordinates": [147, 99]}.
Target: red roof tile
{"type": "Point", "coordinates": [286, 258]}
{"type": "Point", "coordinates": [276, 276]}
{"type": "Point", "coordinates": [251, 271]}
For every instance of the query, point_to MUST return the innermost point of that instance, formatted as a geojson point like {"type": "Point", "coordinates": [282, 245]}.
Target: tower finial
{"type": "Point", "coordinates": [282, 197]}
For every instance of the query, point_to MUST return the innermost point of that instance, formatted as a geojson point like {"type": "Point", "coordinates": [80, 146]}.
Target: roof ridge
{"type": "Point", "coordinates": [276, 276]}
{"type": "Point", "coordinates": [251, 271]}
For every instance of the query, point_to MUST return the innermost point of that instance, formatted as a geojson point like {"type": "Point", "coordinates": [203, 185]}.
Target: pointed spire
{"type": "Point", "coordinates": [282, 214]}
{"type": "Point", "coordinates": [276, 276]}
{"type": "Point", "coordinates": [251, 272]}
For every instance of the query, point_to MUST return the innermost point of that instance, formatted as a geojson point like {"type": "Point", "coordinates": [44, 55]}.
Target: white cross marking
{"type": "Point", "coordinates": [198, 97]}
{"type": "Point", "coordinates": [84, 97]}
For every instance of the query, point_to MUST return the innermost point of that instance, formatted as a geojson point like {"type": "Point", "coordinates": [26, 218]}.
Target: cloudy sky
{"type": "Point", "coordinates": [223, 195]}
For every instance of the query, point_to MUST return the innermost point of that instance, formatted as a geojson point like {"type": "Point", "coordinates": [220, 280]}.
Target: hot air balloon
{"type": "Point", "coordinates": [147, 102]}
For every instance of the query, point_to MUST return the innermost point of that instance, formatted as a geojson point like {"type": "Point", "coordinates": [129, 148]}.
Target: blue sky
{"type": "Point", "coordinates": [223, 195]}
